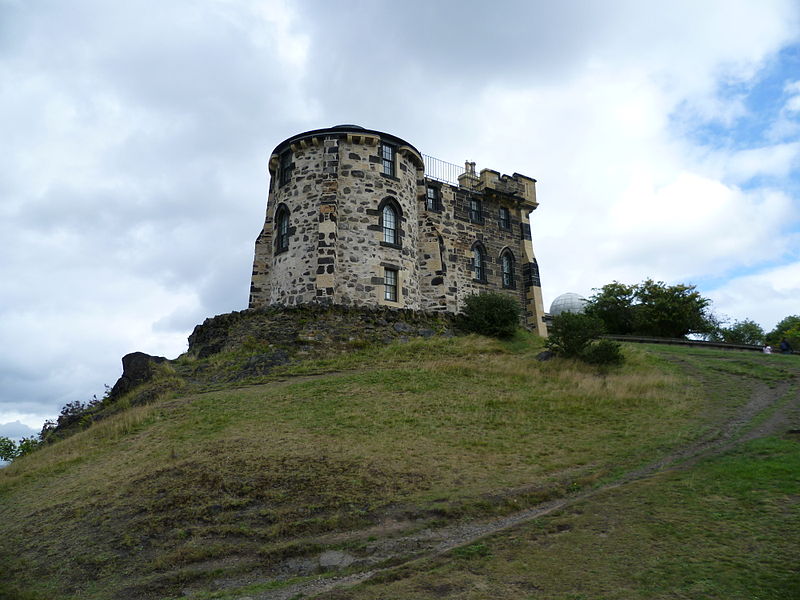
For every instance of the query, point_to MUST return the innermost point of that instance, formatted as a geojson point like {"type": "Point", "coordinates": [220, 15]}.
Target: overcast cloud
{"type": "Point", "coordinates": [665, 138]}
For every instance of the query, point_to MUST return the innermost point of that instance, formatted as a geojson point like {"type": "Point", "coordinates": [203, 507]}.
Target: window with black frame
{"type": "Point", "coordinates": [479, 263]}
{"type": "Point", "coordinates": [507, 267]}
{"type": "Point", "coordinates": [475, 213]}
{"type": "Point", "coordinates": [390, 285]}
{"type": "Point", "coordinates": [282, 237]}
{"type": "Point", "coordinates": [387, 159]}
{"type": "Point", "coordinates": [285, 167]}
{"type": "Point", "coordinates": [389, 218]}
{"type": "Point", "coordinates": [505, 218]}
{"type": "Point", "coordinates": [432, 198]}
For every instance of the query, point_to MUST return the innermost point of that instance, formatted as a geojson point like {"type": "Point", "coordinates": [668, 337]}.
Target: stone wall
{"type": "Point", "coordinates": [290, 278]}
{"type": "Point", "coordinates": [337, 253]}
{"type": "Point", "coordinates": [313, 329]}
{"type": "Point", "coordinates": [446, 248]}
{"type": "Point", "coordinates": [362, 254]}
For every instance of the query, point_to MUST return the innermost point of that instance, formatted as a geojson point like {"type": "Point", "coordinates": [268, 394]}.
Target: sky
{"type": "Point", "coordinates": [135, 136]}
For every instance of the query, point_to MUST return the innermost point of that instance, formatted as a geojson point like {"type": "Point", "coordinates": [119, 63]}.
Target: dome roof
{"type": "Point", "coordinates": [569, 302]}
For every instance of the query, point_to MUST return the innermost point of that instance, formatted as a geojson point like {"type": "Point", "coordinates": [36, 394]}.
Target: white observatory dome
{"type": "Point", "coordinates": [569, 302]}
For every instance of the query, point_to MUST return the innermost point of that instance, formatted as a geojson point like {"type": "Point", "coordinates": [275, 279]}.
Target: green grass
{"type": "Point", "coordinates": [769, 368]}
{"type": "Point", "coordinates": [221, 483]}
{"type": "Point", "coordinates": [727, 529]}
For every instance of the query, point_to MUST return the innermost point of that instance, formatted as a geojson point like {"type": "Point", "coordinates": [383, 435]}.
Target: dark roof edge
{"type": "Point", "coordinates": [343, 130]}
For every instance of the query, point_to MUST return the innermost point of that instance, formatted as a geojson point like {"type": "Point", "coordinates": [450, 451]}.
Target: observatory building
{"type": "Point", "coordinates": [360, 217]}
{"type": "Point", "coordinates": [568, 303]}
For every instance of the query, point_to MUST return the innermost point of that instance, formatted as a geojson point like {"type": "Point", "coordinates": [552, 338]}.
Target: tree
{"type": "Point", "coordinates": [670, 311]}
{"type": "Point", "coordinates": [652, 308]}
{"type": "Point", "coordinates": [613, 304]}
{"type": "Point", "coordinates": [741, 332]}
{"type": "Point", "coordinates": [788, 328]}
{"type": "Point", "coordinates": [8, 448]}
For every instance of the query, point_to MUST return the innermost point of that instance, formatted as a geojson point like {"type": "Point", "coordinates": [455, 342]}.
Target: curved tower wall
{"type": "Point", "coordinates": [362, 253]}
{"type": "Point", "coordinates": [288, 277]}
{"type": "Point", "coordinates": [334, 193]}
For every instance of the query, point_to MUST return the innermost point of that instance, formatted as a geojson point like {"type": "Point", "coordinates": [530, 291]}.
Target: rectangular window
{"type": "Point", "coordinates": [390, 285]}
{"type": "Point", "coordinates": [475, 214]}
{"type": "Point", "coordinates": [432, 198]}
{"type": "Point", "coordinates": [286, 167]}
{"type": "Point", "coordinates": [387, 159]}
{"type": "Point", "coordinates": [505, 218]}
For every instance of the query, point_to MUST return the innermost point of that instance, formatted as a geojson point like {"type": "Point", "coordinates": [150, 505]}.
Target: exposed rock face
{"type": "Point", "coordinates": [259, 340]}
{"type": "Point", "coordinates": [281, 334]}
{"type": "Point", "coordinates": [137, 368]}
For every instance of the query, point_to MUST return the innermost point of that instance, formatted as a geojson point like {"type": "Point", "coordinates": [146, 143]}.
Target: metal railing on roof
{"type": "Point", "coordinates": [443, 171]}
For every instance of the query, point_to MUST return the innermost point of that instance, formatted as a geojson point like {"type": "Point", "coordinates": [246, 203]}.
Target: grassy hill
{"type": "Point", "coordinates": [447, 467]}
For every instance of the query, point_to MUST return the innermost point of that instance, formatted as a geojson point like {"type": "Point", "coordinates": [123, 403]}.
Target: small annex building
{"type": "Point", "coordinates": [360, 217]}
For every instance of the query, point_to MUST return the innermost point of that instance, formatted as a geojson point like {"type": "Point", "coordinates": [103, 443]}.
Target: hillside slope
{"type": "Point", "coordinates": [346, 466]}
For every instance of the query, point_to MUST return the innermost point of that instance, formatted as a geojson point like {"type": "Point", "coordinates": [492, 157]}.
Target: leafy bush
{"type": "Point", "coordinates": [571, 333]}
{"type": "Point", "coordinates": [603, 353]}
{"type": "Point", "coordinates": [575, 335]}
{"type": "Point", "coordinates": [492, 314]}
{"type": "Point", "coordinates": [27, 445]}
{"type": "Point", "coordinates": [8, 448]}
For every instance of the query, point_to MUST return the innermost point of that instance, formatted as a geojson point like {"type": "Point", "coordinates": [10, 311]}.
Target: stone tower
{"type": "Point", "coordinates": [360, 217]}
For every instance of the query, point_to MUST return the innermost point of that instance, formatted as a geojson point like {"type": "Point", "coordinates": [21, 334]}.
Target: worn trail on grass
{"type": "Point", "coordinates": [769, 410]}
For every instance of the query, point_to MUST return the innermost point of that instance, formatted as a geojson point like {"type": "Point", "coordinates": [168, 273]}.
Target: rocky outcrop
{"type": "Point", "coordinates": [137, 368]}
{"type": "Point", "coordinates": [259, 340]}
{"type": "Point", "coordinates": [277, 334]}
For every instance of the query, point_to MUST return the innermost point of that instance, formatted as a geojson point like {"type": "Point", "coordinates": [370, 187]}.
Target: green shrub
{"type": "Point", "coordinates": [27, 445]}
{"type": "Point", "coordinates": [8, 448]}
{"type": "Point", "coordinates": [492, 314]}
{"type": "Point", "coordinates": [603, 353]}
{"type": "Point", "coordinates": [571, 333]}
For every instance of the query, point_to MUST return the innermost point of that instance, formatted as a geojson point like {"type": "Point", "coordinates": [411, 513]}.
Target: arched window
{"type": "Point", "coordinates": [281, 229]}
{"type": "Point", "coordinates": [390, 222]}
{"type": "Point", "coordinates": [479, 262]}
{"type": "Point", "coordinates": [507, 268]}
{"type": "Point", "coordinates": [389, 217]}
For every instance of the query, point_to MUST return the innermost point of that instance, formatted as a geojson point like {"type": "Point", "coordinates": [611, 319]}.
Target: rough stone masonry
{"type": "Point", "coordinates": [354, 218]}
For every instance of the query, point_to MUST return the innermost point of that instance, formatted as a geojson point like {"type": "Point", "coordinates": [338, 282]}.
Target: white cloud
{"type": "Point", "coordinates": [141, 132]}
{"type": "Point", "coordinates": [16, 430]}
{"type": "Point", "coordinates": [787, 125]}
{"type": "Point", "coordinates": [766, 297]}
{"type": "Point", "coordinates": [779, 160]}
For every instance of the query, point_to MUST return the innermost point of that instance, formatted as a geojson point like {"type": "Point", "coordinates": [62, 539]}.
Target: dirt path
{"type": "Point", "coordinates": [769, 410]}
